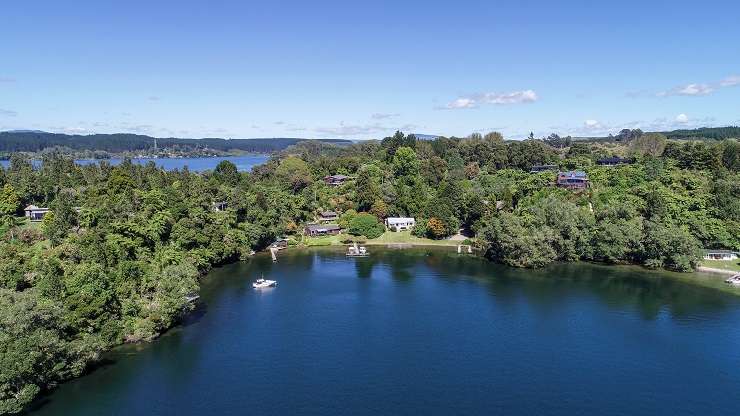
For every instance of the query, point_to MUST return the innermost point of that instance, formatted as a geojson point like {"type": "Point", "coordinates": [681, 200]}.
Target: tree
{"type": "Point", "coordinates": [405, 163]}
{"type": "Point", "coordinates": [367, 187]}
{"type": "Point", "coordinates": [9, 205]}
{"type": "Point", "coordinates": [651, 144]}
{"type": "Point", "coordinates": [227, 172]}
{"type": "Point", "coordinates": [36, 349]}
{"type": "Point", "coordinates": [60, 219]}
{"type": "Point", "coordinates": [294, 172]}
{"type": "Point", "coordinates": [436, 228]}
{"type": "Point", "coordinates": [366, 225]}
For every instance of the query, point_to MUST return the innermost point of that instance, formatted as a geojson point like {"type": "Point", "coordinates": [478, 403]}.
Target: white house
{"type": "Point", "coordinates": [720, 255]}
{"type": "Point", "coordinates": [400, 223]}
{"type": "Point", "coordinates": [34, 213]}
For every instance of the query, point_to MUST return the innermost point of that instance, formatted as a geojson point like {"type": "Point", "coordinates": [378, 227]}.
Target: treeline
{"type": "Point", "coordinates": [118, 143]}
{"type": "Point", "coordinates": [123, 247]}
{"type": "Point", "coordinates": [712, 133]}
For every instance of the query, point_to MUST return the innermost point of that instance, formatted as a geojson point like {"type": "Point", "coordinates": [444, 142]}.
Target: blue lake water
{"type": "Point", "coordinates": [429, 332]}
{"type": "Point", "coordinates": [243, 163]}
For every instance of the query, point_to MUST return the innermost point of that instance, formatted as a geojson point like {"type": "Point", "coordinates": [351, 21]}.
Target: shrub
{"type": "Point", "coordinates": [366, 225]}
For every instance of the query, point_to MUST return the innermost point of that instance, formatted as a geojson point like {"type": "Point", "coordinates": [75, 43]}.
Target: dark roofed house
{"type": "Point", "coordinates": [315, 230]}
{"type": "Point", "coordinates": [335, 180]}
{"type": "Point", "coordinates": [574, 179]}
{"type": "Point", "coordinates": [328, 216]}
{"type": "Point", "coordinates": [34, 213]}
{"type": "Point", "coordinates": [542, 168]}
{"type": "Point", "coordinates": [613, 161]}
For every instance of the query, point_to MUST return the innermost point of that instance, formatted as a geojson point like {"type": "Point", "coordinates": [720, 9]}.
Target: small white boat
{"type": "Point", "coordinates": [264, 283]}
{"type": "Point", "coordinates": [355, 251]}
{"type": "Point", "coordinates": [734, 280]}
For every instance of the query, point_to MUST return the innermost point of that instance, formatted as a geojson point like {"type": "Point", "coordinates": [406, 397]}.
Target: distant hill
{"type": "Point", "coordinates": [716, 133]}
{"type": "Point", "coordinates": [35, 141]}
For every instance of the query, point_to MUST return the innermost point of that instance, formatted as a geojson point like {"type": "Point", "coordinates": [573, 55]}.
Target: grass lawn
{"type": "Point", "coordinates": [722, 264]}
{"type": "Point", "coordinates": [389, 237]}
{"type": "Point", "coordinates": [329, 240]}
{"type": "Point", "coordinates": [405, 237]}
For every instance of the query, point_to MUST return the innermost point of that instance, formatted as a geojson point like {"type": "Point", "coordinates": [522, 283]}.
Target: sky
{"type": "Point", "coordinates": [361, 70]}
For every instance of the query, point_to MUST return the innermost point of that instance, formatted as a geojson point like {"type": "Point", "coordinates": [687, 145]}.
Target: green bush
{"type": "Point", "coordinates": [366, 225]}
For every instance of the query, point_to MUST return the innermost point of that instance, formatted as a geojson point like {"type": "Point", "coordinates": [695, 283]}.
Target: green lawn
{"type": "Point", "coordinates": [389, 237]}
{"type": "Point", "coordinates": [722, 264]}
{"type": "Point", "coordinates": [405, 237]}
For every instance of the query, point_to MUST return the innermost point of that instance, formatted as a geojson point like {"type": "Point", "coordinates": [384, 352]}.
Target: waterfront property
{"type": "Point", "coordinates": [400, 223]}
{"type": "Point", "coordinates": [721, 255]}
{"type": "Point", "coordinates": [543, 168]}
{"type": "Point", "coordinates": [574, 179]}
{"type": "Point", "coordinates": [335, 180]}
{"type": "Point", "coordinates": [613, 161]}
{"type": "Point", "coordinates": [280, 243]}
{"type": "Point", "coordinates": [317, 230]}
{"type": "Point", "coordinates": [34, 213]}
{"type": "Point", "coordinates": [328, 216]}
{"type": "Point", "coordinates": [355, 323]}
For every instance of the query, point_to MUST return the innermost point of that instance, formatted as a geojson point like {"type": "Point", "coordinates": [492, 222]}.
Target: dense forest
{"type": "Point", "coordinates": [123, 142]}
{"type": "Point", "coordinates": [712, 133]}
{"type": "Point", "coordinates": [124, 247]}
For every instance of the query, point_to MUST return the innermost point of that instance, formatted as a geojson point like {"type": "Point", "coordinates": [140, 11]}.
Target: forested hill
{"type": "Point", "coordinates": [122, 142]}
{"type": "Point", "coordinates": [716, 133]}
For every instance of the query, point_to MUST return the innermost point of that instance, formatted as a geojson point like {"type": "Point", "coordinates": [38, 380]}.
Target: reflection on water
{"type": "Point", "coordinates": [428, 331]}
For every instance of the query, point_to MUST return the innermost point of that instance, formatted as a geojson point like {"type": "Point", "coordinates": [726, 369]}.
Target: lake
{"type": "Point", "coordinates": [429, 332]}
{"type": "Point", "coordinates": [243, 163]}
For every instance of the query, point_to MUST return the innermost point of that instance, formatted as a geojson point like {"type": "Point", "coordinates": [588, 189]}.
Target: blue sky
{"type": "Point", "coordinates": [342, 69]}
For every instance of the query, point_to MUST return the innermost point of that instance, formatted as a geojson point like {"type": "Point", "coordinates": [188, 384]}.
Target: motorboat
{"type": "Point", "coordinates": [263, 283]}
{"type": "Point", "coordinates": [734, 280]}
{"type": "Point", "coordinates": [355, 251]}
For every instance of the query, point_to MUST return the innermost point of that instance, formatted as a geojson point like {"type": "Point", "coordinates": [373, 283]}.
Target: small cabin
{"type": "Point", "coordinates": [328, 216]}
{"type": "Point", "coordinates": [400, 223]}
{"type": "Point", "coordinates": [721, 255]}
{"type": "Point", "coordinates": [335, 180]}
{"type": "Point", "coordinates": [574, 179]}
{"type": "Point", "coordinates": [543, 168]}
{"type": "Point", "coordinates": [280, 243]}
{"type": "Point", "coordinates": [34, 213]}
{"type": "Point", "coordinates": [220, 206]}
{"type": "Point", "coordinates": [613, 161]}
{"type": "Point", "coordinates": [317, 230]}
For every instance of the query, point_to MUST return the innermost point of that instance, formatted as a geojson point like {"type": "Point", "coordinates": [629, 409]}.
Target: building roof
{"type": "Point", "coordinates": [578, 174]}
{"type": "Point", "coordinates": [613, 160]}
{"type": "Point", "coordinates": [400, 220]}
{"type": "Point", "coordinates": [339, 177]}
{"type": "Point", "coordinates": [328, 214]}
{"type": "Point", "coordinates": [35, 208]}
{"type": "Point", "coordinates": [322, 227]}
{"type": "Point", "coordinates": [720, 252]}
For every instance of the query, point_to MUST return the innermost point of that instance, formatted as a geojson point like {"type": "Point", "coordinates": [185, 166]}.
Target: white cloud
{"type": "Point", "coordinates": [462, 103]}
{"type": "Point", "coordinates": [382, 116]}
{"type": "Point", "coordinates": [592, 124]}
{"type": "Point", "coordinates": [473, 101]}
{"type": "Point", "coordinates": [730, 81]}
{"type": "Point", "coordinates": [8, 113]}
{"type": "Point", "coordinates": [516, 97]}
{"type": "Point", "coordinates": [682, 118]}
{"type": "Point", "coordinates": [692, 90]}
{"type": "Point", "coordinates": [361, 130]}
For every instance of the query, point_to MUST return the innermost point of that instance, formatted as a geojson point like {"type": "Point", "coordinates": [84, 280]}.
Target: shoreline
{"type": "Point", "coordinates": [704, 269]}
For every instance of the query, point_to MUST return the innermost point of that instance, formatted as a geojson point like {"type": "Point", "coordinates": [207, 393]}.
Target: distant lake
{"type": "Point", "coordinates": [243, 163]}
{"type": "Point", "coordinates": [429, 332]}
